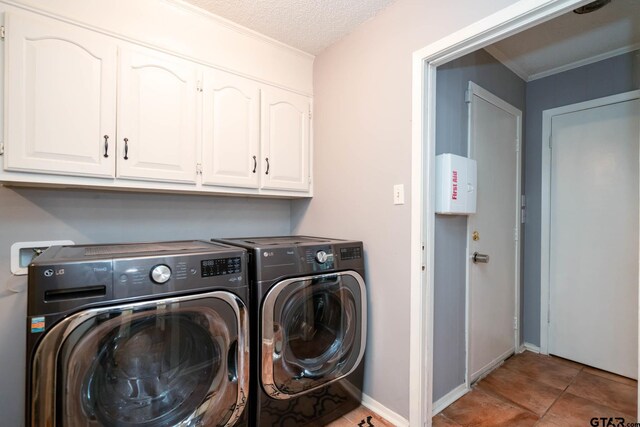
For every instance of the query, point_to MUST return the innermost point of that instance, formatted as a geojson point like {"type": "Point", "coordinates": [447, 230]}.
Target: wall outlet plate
{"type": "Point", "coordinates": [22, 253]}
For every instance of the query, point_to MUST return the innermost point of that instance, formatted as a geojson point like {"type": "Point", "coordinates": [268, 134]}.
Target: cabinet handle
{"type": "Point", "coordinates": [106, 146]}
{"type": "Point", "coordinates": [126, 148]}
{"type": "Point", "coordinates": [267, 171]}
{"type": "Point", "coordinates": [255, 164]}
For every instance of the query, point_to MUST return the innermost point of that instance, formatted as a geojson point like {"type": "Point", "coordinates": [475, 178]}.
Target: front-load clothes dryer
{"type": "Point", "coordinates": [308, 329]}
{"type": "Point", "coordinates": [151, 334]}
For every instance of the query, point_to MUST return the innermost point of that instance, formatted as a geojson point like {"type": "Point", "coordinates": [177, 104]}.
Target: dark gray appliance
{"type": "Point", "coordinates": [308, 328]}
{"type": "Point", "coordinates": [150, 334]}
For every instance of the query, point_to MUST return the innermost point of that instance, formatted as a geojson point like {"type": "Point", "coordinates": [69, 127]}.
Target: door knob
{"type": "Point", "coordinates": [478, 258]}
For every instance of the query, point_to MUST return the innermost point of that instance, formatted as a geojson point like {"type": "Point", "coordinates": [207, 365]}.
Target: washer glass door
{"type": "Point", "coordinates": [178, 361]}
{"type": "Point", "coordinates": [313, 332]}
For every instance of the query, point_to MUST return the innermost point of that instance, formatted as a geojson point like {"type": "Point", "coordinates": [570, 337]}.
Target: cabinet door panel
{"type": "Point", "coordinates": [231, 134]}
{"type": "Point", "coordinates": [157, 115]}
{"type": "Point", "coordinates": [61, 98]}
{"type": "Point", "coordinates": [285, 140]}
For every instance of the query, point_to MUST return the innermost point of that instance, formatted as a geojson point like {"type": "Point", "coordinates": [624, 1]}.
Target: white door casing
{"type": "Point", "coordinates": [510, 20]}
{"type": "Point", "coordinates": [492, 289]}
{"type": "Point", "coordinates": [592, 248]}
{"type": "Point", "coordinates": [285, 140]}
{"type": "Point", "coordinates": [231, 130]}
{"type": "Point", "coordinates": [60, 98]}
{"type": "Point", "coordinates": [157, 115]}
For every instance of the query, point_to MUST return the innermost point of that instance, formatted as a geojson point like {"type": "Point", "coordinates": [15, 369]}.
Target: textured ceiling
{"type": "Point", "coordinates": [571, 40]}
{"type": "Point", "coordinates": [309, 25]}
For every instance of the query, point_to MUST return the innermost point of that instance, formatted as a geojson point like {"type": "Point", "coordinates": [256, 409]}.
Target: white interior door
{"type": "Point", "coordinates": [494, 135]}
{"type": "Point", "coordinates": [593, 263]}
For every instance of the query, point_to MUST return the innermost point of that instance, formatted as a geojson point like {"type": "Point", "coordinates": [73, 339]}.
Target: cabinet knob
{"type": "Point", "coordinates": [255, 164]}
{"type": "Point", "coordinates": [106, 146]}
{"type": "Point", "coordinates": [126, 148]}
{"type": "Point", "coordinates": [267, 171]}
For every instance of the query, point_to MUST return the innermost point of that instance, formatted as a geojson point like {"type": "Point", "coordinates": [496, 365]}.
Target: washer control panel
{"type": "Point", "coordinates": [160, 274]}
{"type": "Point", "coordinates": [321, 257]}
{"type": "Point", "coordinates": [317, 258]}
{"type": "Point", "coordinates": [349, 253]}
{"type": "Point", "coordinates": [220, 266]}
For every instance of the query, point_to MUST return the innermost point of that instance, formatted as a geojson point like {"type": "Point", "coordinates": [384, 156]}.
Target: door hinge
{"type": "Point", "coordinates": [515, 233]}
{"type": "Point", "coordinates": [549, 142]}
{"type": "Point", "coordinates": [198, 168]}
{"type": "Point", "coordinates": [515, 323]}
{"type": "Point", "coordinates": [199, 86]}
{"type": "Point", "coordinates": [467, 96]}
{"type": "Point", "coordinates": [1, 148]}
{"type": "Point", "coordinates": [310, 114]}
{"type": "Point", "coordinates": [3, 32]}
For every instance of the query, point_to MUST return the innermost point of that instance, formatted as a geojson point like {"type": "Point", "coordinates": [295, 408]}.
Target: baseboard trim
{"type": "Point", "coordinates": [529, 347]}
{"type": "Point", "coordinates": [449, 398]}
{"type": "Point", "coordinates": [386, 413]}
{"type": "Point", "coordinates": [493, 365]}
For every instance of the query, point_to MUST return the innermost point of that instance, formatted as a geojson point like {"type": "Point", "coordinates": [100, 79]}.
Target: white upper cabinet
{"type": "Point", "coordinates": [88, 109]}
{"type": "Point", "coordinates": [285, 140]}
{"type": "Point", "coordinates": [157, 118]}
{"type": "Point", "coordinates": [60, 98]}
{"type": "Point", "coordinates": [231, 130]}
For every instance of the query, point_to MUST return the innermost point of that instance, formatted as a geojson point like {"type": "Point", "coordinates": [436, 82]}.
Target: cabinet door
{"type": "Point", "coordinates": [60, 98]}
{"type": "Point", "coordinates": [231, 132]}
{"type": "Point", "coordinates": [285, 140]}
{"type": "Point", "coordinates": [157, 120]}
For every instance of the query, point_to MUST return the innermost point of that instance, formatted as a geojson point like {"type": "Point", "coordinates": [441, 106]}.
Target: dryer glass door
{"type": "Point", "coordinates": [161, 363]}
{"type": "Point", "coordinates": [313, 332]}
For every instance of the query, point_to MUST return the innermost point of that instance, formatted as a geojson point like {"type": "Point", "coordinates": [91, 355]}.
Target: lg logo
{"type": "Point", "coordinates": [50, 272]}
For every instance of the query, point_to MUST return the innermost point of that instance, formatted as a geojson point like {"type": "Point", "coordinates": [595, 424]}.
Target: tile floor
{"type": "Point", "coordinates": [530, 389]}
{"type": "Point", "coordinates": [361, 417]}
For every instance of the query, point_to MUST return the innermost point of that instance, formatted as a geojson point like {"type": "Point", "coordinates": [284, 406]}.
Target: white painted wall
{"type": "Point", "coordinates": [362, 138]}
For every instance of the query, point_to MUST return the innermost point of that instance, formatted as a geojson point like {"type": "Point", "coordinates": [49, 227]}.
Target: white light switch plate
{"type": "Point", "coordinates": [398, 194]}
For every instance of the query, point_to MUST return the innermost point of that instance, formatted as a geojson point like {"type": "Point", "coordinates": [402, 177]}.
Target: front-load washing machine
{"type": "Point", "coordinates": [308, 329]}
{"type": "Point", "coordinates": [151, 334]}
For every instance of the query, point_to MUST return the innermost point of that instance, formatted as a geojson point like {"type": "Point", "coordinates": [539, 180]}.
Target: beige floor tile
{"type": "Point", "coordinates": [610, 376]}
{"type": "Point", "coordinates": [561, 361]}
{"type": "Point", "coordinates": [480, 409]}
{"type": "Point", "coordinates": [341, 422]}
{"type": "Point", "coordinates": [520, 389]}
{"type": "Point", "coordinates": [442, 421]}
{"type": "Point", "coordinates": [572, 410]}
{"type": "Point", "coordinates": [544, 369]}
{"type": "Point", "coordinates": [367, 417]}
{"type": "Point", "coordinates": [603, 391]}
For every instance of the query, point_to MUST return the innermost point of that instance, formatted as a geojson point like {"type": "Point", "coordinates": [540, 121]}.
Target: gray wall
{"type": "Point", "coordinates": [604, 78]}
{"type": "Point", "coordinates": [450, 231]}
{"type": "Point", "coordinates": [98, 217]}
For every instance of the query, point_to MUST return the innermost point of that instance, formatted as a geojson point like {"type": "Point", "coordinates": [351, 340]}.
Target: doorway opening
{"type": "Point", "coordinates": [447, 243]}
